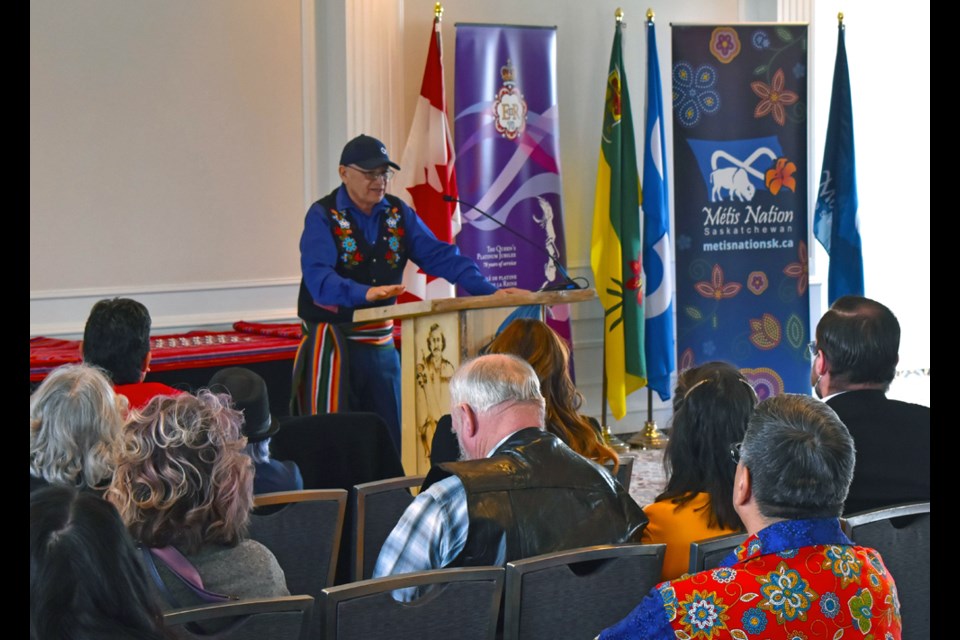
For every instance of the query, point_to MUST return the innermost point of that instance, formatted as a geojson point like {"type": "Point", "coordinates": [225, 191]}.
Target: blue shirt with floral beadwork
{"type": "Point", "coordinates": [319, 253]}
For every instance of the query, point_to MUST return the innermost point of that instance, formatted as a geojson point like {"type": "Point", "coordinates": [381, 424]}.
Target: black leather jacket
{"type": "Point", "coordinates": [536, 495]}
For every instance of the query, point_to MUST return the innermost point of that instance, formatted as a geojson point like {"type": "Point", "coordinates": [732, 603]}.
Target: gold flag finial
{"type": "Point", "coordinates": [650, 15]}
{"type": "Point", "coordinates": [618, 14]}
{"type": "Point", "coordinates": [438, 11]}
{"type": "Point", "coordinates": [840, 18]}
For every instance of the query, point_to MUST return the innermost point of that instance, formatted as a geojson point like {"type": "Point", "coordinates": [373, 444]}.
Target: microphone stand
{"type": "Point", "coordinates": [565, 286]}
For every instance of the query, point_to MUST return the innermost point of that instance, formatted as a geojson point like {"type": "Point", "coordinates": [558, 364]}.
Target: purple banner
{"type": "Point", "coordinates": [740, 184]}
{"type": "Point", "coordinates": [508, 161]}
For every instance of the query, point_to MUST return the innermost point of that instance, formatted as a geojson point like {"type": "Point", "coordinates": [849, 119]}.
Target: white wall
{"type": "Point", "coordinates": [167, 156]}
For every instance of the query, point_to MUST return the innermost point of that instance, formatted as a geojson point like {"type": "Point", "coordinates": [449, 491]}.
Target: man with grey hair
{"type": "Point", "coordinates": [796, 574]}
{"type": "Point", "coordinates": [518, 490]}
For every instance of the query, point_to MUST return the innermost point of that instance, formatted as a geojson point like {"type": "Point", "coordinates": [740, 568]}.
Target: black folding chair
{"type": "Point", "coordinates": [281, 618]}
{"type": "Point", "coordinates": [901, 534]}
{"type": "Point", "coordinates": [605, 581]}
{"type": "Point", "coordinates": [461, 603]}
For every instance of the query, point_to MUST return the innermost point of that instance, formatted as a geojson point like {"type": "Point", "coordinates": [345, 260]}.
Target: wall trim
{"type": "Point", "coordinates": [173, 308]}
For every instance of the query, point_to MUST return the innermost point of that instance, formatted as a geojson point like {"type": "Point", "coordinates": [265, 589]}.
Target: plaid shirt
{"type": "Point", "coordinates": [430, 535]}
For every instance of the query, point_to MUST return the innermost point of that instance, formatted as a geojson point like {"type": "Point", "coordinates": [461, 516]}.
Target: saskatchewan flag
{"type": "Point", "coordinates": [615, 248]}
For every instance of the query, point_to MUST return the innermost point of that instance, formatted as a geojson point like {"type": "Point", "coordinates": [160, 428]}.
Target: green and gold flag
{"type": "Point", "coordinates": [615, 248]}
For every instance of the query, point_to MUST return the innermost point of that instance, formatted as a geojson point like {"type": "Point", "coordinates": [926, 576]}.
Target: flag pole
{"type": "Point", "coordinates": [437, 19]}
{"type": "Point", "coordinates": [609, 438]}
{"type": "Point", "coordinates": [651, 437]}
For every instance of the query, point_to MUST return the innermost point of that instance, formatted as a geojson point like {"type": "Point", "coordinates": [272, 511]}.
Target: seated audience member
{"type": "Point", "coordinates": [184, 488]}
{"type": "Point", "coordinates": [116, 338]}
{"type": "Point", "coordinates": [75, 424]}
{"type": "Point", "coordinates": [248, 390]}
{"type": "Point", "coordinates": [537, 343]}
{"type": "Point", "coordinates": [711, 407]}
{"type": "Point", "coordinates": [797, 575]}
{"type": "Point", "coordinates": [86, 578]}
{"type": "Point", "coordinates": [519, 491]}
{"type": "Point", "coordinates": [855, 359]}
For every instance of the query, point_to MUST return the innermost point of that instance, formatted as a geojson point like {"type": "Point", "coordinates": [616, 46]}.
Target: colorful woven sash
{"type": "Point", "coordinates": [320, 367]}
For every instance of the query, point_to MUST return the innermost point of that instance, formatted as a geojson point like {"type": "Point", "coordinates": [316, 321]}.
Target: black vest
{"type": "Point", "coordinates": [374, 265]}
{"type": "Point", "coordinates": [536, 495]}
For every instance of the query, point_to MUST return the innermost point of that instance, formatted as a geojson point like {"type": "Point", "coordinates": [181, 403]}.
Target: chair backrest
{"type": "Point", "coordinates": [901, 533]}
{"type": "Point", "coordinates": [377, 507]}
{"type": "Point", "coordinates": [624, 472]}
{"type": "Point", "coordinates": [338, 450]}
{"type": "Point", "coordinates": [303, 529]}
{"type": "Point", "coordinates": [707, 553]}
{"type": "Point", "coordinates": [462, 603]}
{"type": "Point", "coordinates": [579, 592]}
{"type": "Point", "coordinates": [282, 618]}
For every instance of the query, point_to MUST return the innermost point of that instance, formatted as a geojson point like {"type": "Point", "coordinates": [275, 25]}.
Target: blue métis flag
{"type": "Point", "coordinates": [835, 221]}
{"type": "Point", "coordinates": [657, 253]}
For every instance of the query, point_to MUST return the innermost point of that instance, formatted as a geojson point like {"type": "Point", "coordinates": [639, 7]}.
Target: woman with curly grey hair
{"type": "Point", "coordinates": [184, 488]}
{"type": "Point", "coordinates": [75, 423]}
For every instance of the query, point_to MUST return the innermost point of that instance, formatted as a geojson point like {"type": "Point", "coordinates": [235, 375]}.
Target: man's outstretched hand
{"type": "Point", "coordinates": [384, 292]}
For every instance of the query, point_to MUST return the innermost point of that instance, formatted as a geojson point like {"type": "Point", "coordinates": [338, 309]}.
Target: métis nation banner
{"type": "Point", "coordinates": [506, 134]}
{"type": "Point", "coordinates": [740, 180]}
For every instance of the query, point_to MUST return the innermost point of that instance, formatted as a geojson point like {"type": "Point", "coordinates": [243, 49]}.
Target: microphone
{"type": "Point", "coordinates": [561, 286]}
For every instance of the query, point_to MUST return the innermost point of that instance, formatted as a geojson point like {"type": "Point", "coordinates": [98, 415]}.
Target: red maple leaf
{"type": "Point", "coordinates": [429, 204]}
{"type": "Point", "coordinates": [431, 207]}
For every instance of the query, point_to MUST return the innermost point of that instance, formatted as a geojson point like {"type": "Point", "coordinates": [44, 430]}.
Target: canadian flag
{"type": "Point", "coordinates": [427, 172]}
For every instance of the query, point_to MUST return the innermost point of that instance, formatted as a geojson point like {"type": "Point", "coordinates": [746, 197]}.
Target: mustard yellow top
{"type": "Point", "coordinates": [678, 529]}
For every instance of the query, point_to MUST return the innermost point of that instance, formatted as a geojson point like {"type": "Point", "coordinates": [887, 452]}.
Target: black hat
{"type": "Point", "coordinates": [249, 393]}
{"type": "Point", "coordinates": [367, 153]}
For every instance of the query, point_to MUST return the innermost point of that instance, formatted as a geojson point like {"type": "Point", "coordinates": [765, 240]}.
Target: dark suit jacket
{"type": "Point", "coordinates": [893, 449]}
{"type": "Point", "coordinates": [276, 475]}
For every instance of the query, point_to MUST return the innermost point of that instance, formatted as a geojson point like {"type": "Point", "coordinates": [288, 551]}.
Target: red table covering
{"type": "Point", "coordinates": [248, 342]}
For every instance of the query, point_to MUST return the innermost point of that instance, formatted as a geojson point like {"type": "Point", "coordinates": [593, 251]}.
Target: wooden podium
{"type": "Point", "coordinates": [436, 336]}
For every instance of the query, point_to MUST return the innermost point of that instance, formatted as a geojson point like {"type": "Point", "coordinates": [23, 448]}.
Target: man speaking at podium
{"type": "Point", "coordinates": [355, 244]}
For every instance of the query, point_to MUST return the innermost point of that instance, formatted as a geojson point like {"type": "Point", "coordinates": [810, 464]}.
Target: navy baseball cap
{"type": "Point", "coordinates": [366, 152]}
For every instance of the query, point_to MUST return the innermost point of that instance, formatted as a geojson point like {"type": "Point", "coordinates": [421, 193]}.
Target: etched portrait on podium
{"type": "Point", "coordinates": [434, 370]}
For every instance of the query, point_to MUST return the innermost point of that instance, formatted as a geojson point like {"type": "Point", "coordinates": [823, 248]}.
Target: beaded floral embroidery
{"type": "Point", "coordinates": [349, 252]}
{"type": "Point", "coordinates": [393, 241]}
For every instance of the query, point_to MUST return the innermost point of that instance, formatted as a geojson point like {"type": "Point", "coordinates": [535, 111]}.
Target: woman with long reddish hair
{"type": "Point", "coordinates": [537, 343]}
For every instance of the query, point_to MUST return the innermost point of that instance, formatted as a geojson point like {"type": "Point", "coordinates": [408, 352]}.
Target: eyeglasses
{"type": "Point", "coordinates": [814, 349]}
{"type": "Point", "coordinates": [735, 452]}
{"type": "Point", "coordinates": [374, 176]}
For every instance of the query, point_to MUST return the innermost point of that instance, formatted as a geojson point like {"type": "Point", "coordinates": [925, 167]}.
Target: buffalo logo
{"type": "Point", "coordinates": [735, 178]}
